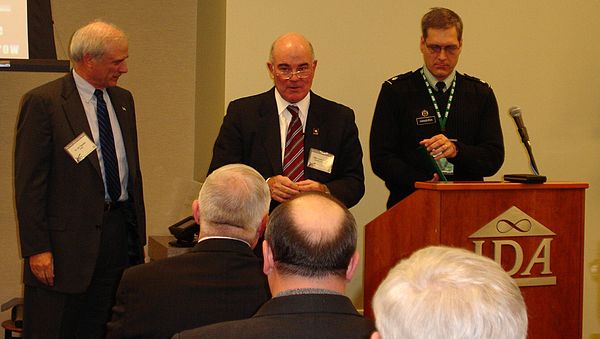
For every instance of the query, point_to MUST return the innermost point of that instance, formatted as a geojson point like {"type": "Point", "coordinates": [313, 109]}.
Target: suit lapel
{"type": "Point", "coordinates": [314, 125]}
{"type": "Point", "coordinates": [271, 139]}
{"type": "Point", "coordinates": [75, 114]}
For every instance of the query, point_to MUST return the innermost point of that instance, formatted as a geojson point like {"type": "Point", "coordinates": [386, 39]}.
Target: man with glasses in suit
{"type": "Point", "coordinates": [453, 116]}
{"type": "Point", "coordinates": [296, 139]}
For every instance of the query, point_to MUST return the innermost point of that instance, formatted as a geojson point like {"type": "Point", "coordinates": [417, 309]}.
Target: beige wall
{"type": "Point", "coordinates": [540, 55]}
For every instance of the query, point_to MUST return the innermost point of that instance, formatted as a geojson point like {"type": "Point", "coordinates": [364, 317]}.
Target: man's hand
{"type": "Point", "coordinates": [282, 188]}
{"type": "Point", "coordinates": [311, 185]}
{"type": "Point", "coordinates": [440, 147]}
{"type": "Point", "coordinates": [42, 267]}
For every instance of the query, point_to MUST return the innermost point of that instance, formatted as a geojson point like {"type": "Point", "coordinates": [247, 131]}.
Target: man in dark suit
{"type": "Point", "coordinates": [309, 256]}
{"type": "Point", "coordinates": [78, 189]}
{"type": "Point", "coordinates": [323, 151]}
{"type": "Point", "coordinates": [451, 116]}
{"type": "Point", "coordinates": [220, 279]}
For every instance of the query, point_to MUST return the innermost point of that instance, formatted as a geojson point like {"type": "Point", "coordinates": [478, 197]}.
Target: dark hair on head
{"type": "Point", "coordinates": [441, 18]}
{"type": "Point", "coordinates": [297, 253]}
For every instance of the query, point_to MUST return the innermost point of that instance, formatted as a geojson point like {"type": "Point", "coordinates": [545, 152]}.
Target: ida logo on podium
{"type": "Point", "coordinates": [520, 244]}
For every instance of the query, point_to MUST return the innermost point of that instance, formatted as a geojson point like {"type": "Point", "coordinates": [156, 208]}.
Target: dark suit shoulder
{"type": "Point", "coordinates": [297, 316]}
{"type": "Point", "coordinates": [118, 91]}
{"type": "Point", "coordinates": [213, 250]}
{"type": "Point", "coordinates": [403, 83]}
{"type": "Point", "coordinates": [150, 269]}
{"type": "Point", "coordinates": [52, 89]}
{"type": "Point", "coordinates": [254, 99]}
{"type": "Point", "coordinates": [476, 81]}
{"type": "Point", "coordinates": [331, 107]}
{"type": "Point", "coordinates": [257, 104]}
{"type": "Point", "coordinates": [400, 78]}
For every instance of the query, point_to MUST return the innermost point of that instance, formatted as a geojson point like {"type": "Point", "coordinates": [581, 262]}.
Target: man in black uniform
{"type": "Point", "coordinates": [454, 116]}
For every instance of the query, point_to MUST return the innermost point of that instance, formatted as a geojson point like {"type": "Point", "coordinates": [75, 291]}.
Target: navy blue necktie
{"type": "Point", "coordinates": [107, 148]}
{"type": "Point", "coordinates": [441, 97]}
{"type": "Point", "coordinates": [440, 85]}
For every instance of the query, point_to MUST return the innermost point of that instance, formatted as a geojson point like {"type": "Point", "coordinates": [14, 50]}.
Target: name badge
{"type": "Point", "coordinates": [80, 147]}
{"type": "Point", "coordinates": [426, 120]}
{"type": "Point", "coordinates": [320, 160]}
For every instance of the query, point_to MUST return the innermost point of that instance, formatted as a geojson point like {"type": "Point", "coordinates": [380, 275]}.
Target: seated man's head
{"type": "Point", "coordinates": [444, 292]}
{"type": "Point", "coordinates": [311, 238]}
{"type": "Point", "coordinates": [233, 202]}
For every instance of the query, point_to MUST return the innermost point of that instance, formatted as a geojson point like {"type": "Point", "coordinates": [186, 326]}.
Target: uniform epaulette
{"type": "Point", "coordinates": [470, 77]}
{"type": "Point", "coordinates": [398, 77]}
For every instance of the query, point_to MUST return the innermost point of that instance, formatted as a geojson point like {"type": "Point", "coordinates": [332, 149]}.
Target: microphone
{"type": "Point", "coordinates": [516, 114]}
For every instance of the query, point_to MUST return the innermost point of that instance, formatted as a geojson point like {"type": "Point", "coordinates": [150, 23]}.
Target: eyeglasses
{"type": "Point", "coordinates": [301, 73]}
{"type": "Point", "coordinates": [437, 49]}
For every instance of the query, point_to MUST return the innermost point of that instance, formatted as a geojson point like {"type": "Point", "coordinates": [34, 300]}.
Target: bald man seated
{"type": "Point", "coordinates": [309, 257]}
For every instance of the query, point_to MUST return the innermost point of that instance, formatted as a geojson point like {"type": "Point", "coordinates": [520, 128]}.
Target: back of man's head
{"type": "Point", "coordinates": [233, 201]}
{"type": "Point", "coordinates": [444, 292]}
{"type": "Point", "coordinates": [312, 235]}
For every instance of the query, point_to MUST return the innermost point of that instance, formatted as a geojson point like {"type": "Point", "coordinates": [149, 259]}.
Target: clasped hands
{"type": "Point", "coordinates": [282, 188]}
{"type": "Point", "coordinates": [439, 146]}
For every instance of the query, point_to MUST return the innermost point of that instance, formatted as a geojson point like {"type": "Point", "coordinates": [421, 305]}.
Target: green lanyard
{"type": "Point", "coordinates": [442, 120]}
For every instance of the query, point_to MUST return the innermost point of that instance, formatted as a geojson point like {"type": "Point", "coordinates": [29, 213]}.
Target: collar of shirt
{"type": "Point", "coordinates": [86, 90]}
{"type": "Point", "coordinates": [300, 291]}
{"type": "Point", "coordinates": [282, 105]}
{"type": "Point", "coordinates": [222, 237]}
{"type": "Point", "coordinates": [432, 80]}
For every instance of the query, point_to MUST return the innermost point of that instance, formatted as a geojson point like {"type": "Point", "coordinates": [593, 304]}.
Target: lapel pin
{"type": "Point", "coordinates": [123, 108]}
{"type": "Point", "coordinates": [315, 131]}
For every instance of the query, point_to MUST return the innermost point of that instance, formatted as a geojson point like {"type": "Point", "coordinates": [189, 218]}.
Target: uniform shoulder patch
{"type": "Point", "coordinates": [472, 78]}
{"type": "Point", "coordinates": [398, 77]}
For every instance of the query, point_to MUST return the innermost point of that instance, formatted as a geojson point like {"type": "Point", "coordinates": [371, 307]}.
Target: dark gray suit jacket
{"type": "Point", "coordinates": [250, 135]}
{"type": "Point", "coordinates": [219, 280]}
{"type": "Point", "coordinates": [396, 131]}
{"type": "Point", "coordinates": [60, 203]}
{"type": "Point", "coordinates": [294, 316]}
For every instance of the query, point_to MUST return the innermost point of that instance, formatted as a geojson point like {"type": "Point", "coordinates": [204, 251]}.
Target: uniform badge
{"type": "Point", "coordinates": [425, 119]}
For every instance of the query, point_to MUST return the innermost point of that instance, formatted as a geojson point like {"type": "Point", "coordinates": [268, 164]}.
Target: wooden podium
{"type": "Point", "coordinates": [534, 230]}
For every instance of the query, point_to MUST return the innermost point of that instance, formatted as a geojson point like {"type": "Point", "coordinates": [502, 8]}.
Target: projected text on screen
{"type": "Point", "coordinates": [13, 29]}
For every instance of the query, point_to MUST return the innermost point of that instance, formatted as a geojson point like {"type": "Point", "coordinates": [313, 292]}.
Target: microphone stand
{"type": "Point", "coordinates": [535, 178]}
{"type": "Point", "coordinates": [531, 159]}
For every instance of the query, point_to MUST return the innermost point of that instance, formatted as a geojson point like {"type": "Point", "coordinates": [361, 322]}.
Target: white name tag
{"type": "Point", "coordinates": [80, 147]}
{"type": "Point", "coordinates": [320, 160]}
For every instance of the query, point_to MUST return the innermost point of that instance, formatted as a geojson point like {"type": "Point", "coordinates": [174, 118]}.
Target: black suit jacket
{"type": "Point", "coordinates": [295, 316]}
{"type": "Point", "coordinates": [398, 127]}
{"type": "Point", "coordinates": [250, 135]}
{"type": "Point", "coordinates": [60, 203]}
{"type": "Point", "coordinates": [221, 279]}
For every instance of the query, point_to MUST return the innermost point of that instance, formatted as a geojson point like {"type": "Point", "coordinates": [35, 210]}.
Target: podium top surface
{"type": "Point", "coordinates": [496, 185]}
